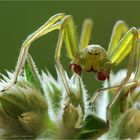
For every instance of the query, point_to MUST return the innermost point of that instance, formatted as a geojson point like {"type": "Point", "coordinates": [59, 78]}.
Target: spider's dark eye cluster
{"type": "Point", "coordinates": [76, 68]}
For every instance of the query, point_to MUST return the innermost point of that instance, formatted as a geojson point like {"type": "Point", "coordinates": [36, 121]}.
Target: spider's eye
{"type": "Point", "coordinates": [77, 68]}
{"type": "Point", "coordinates": [102, 76]}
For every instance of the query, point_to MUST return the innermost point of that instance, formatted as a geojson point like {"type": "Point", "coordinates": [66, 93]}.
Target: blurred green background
{"type": "Point", "coordinates": [20, 19]}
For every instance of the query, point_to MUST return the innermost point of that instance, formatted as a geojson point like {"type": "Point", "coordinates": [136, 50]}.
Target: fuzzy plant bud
{"type": "Point", "coordinates": [70, 117]}
{"type": "Point", "coordinates": [32, 121]}
{"type": "Point", "coordinates": [128, 126]}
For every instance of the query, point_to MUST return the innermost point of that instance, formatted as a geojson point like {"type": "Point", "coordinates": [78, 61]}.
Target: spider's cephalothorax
{"type": "Point", "coordinates": [92, 58]}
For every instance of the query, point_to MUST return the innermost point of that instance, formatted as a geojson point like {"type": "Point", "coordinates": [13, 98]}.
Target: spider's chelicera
{"type": "Point", "coordinates": [92, 58]}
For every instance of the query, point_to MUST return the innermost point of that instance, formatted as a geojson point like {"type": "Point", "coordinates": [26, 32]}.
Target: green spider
{"type": "Point", "coordinates": [86, 57]}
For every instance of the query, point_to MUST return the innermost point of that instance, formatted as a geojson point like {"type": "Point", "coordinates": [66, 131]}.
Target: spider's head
{"type": "Point", "coordinates": [92, 58]}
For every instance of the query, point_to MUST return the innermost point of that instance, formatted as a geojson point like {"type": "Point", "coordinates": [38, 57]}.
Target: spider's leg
{"type": "Point", "coordinates": [52, 22]}
{"type": "Point", "coordinates": [139, 32]}
{"type": "Point", "coordinates": [100, 91]}
{"type": "Point", "coordinates": [119, 30]}
{"type": "Point", "coordinates": [137, 74]}
{"type": "Point", "coordinates": [132, 37]}
{"type": "Point", "coordinates": [67, 34]}
{"type": "Point", "coordinates": [123, 48]}
{"type": "Point", "coordinates": [86, 33]}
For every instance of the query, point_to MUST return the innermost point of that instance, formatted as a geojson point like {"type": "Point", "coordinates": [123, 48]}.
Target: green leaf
{"type": "Point", "coordinates": [87, 134]}
{"type": "Point", "coordinates": [56, 98]}
{"type": "Point", "coordinates": [92, 127]}
{"type": "Point", "coordinates": [32, 75]}
{"type": "Point", "coordinates": [79, 93]}
{"type": "Point", "coordinates": [93, 122]}
{"type": "Point", "coordinates": [53, 93]}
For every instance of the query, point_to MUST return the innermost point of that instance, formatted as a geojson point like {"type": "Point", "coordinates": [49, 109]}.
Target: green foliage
{"type": "Point", "coordinates": [53, 93]}
{"type": "Point", "coordinates": [36, 107]}
{"type": "Point", "coordinates": [32, 74]}
{"type": "Point", "coordinates": [92, 127]}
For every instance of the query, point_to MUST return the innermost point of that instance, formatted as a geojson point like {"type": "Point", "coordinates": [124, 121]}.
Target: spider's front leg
{"type": "Point", "coordinates": [52, 24]}
{"type": "Point", "coordinates": [68, 35]}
